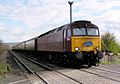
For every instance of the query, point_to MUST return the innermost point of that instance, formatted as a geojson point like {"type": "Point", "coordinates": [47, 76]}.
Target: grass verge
{"type": "Point", "coordinates": [106, 62]}
{"type": "Point", "coordinates": [4, 68]}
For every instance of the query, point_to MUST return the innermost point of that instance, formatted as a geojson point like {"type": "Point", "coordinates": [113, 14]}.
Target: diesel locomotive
{"type": "Point", "coordinates": [76, 43]}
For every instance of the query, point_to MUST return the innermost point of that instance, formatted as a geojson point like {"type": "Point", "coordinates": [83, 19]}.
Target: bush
{"type": "Point", "coordinates": [109, 43]}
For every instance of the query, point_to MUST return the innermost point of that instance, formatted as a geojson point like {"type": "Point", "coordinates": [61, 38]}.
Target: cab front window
{"type": "Point", "coordinates": [92, 31]}
{"type": "Point", "coordinates": [79, 31]}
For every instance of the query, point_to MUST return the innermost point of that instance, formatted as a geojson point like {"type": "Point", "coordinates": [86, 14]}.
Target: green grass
{"type": "Point", "coordinates": [106, 62]}
{"type": "Point", "coordinates": [3, 69]}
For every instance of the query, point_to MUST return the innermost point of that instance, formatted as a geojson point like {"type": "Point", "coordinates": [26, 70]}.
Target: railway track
{"type": "Point", "coordinates": [95, 75]}
{"type": "Point", "coordinates": [104, 73]}
{"type": "Point", "coordinates": [54, 71]}
{"type": "Point", "coordinates": [113, 73]}
{"type": "Point", "coordinates": [29, 70]}
{"type": "Point", "coordinates": [98, 73]}
{"type": "Point", "coordinates": [103, 69]}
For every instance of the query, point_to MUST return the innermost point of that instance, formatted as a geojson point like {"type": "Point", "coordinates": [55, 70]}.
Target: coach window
{"type": "Point", "coordinates": [69, 32]}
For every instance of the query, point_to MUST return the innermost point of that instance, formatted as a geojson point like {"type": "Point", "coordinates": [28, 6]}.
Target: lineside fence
{"type": "Point", "coordinates": [111, 59]}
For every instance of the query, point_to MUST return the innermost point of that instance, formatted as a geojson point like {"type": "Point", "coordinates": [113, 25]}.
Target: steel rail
{"type": "Point", "coordinates": [25, 66]}
{"type": "Point", "coordinates": [49, 68]}
{"type": "Point", "coordinates": [102, 69]}
{"type": "Point", "coordinates": [99, 75]}
{"type": "Point", "coordinates": [38, 63]}
{"type": "Point", "coordinates": [30, 71]}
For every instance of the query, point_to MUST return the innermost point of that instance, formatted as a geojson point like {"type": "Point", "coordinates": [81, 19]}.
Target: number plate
{"type": "Point", "coordinates": [88, 43]}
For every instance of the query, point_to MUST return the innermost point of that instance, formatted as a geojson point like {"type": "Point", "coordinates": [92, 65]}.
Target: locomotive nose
{"type": "Point", "coordinates": [85, 43]}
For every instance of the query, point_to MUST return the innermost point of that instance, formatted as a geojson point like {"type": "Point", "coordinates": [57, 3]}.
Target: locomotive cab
{"type": "Point", "coordinates": [84, 41]}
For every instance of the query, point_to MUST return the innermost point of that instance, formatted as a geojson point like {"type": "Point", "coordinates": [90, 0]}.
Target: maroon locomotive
{"type": "Point", "coordinates": [76, 43]}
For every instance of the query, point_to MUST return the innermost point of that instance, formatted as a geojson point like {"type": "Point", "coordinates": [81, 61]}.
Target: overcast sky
{"type": "Point", "coordinates": [23, 19]}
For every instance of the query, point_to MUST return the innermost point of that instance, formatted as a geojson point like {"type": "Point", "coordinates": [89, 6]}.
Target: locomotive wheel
{"type": "Point", "coordinates": [71, 63]}
{"type": "Point", "coordinates": [89, 63]}
{"type": "Point", "coordinates": [97, 62]}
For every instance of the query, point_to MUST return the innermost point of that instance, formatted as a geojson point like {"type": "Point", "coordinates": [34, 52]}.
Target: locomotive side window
{"type": "Point", "coordinates": [69, 32]}
{"type": "Point", "coordinates": [79, 31]}
{"type": "Point", "coordinates": [64, 33]}
{"type": "Point", "coordinates": [92, 31]}
{"type": "Point", "coordinates": [64, 39]}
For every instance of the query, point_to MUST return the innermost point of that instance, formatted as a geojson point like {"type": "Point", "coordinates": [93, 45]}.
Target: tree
{"type": "Point", "coordinates": [109, 44]}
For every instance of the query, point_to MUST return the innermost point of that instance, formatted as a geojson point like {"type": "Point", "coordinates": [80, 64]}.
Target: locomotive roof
{"type": "Point", "coordinates": [75, 23]}
{"type": "Point", "coordinates": [83, 23]}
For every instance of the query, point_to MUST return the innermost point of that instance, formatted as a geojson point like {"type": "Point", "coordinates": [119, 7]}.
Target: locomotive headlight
{"type": "Point", "coordinates": [97, 48]}
{"type": "Point", "coordinates": [76, 49]}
